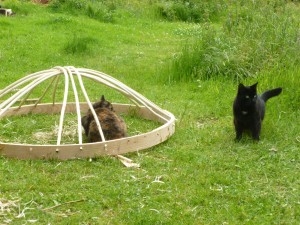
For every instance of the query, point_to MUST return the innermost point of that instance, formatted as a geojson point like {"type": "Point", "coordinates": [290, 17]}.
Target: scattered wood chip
{"type": "Point", "coordinates": [7, 205]}
{"type": "Point", "coordinates": [158, 180]}
{"type": "Point", "coordinates": [127, 162]}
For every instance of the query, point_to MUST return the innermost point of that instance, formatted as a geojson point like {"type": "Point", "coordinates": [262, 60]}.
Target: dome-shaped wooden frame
{"type": "Point", "coordinates": [142, 106]}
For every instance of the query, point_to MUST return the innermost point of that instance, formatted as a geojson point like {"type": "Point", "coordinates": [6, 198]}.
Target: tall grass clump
{"type": "Point", "coordinates": [79, 45]}
{"type": "Point", "coordinates": [254, 37]}
{"type": "Point", "coordinates": [190, 11]}
{"type": "Point", "coordinates": [100, 10]}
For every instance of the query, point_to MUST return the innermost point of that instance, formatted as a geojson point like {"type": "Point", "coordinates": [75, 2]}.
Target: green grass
{"type": "Point", "coordinates": [200, 175]}
{"type": "Point", "coordinates": [251, 38]}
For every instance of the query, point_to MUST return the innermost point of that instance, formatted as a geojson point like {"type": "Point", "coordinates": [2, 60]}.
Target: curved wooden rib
{"type": "Point", "coordinates": [24, 87]}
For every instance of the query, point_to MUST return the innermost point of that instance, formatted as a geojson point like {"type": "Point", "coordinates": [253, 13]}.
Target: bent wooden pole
{"type": "Point", "coordinates": [142, 106]}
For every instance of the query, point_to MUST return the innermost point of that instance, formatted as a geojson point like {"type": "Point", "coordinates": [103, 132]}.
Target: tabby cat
{"type": "Point", "coordinates": [112, 125]}
{"type": "Point", "coordinates": [249, 109]}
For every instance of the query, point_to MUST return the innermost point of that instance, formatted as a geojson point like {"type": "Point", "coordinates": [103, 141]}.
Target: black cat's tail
{"type": "Point", "coordinates": [271, 93]}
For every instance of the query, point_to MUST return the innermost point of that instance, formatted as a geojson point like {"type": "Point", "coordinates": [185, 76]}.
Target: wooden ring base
{"type": "Point", "coordinates": [88, 150]}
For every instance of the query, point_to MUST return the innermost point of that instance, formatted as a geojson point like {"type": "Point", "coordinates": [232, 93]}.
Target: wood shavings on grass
{"type": "Point", "coordinates": [14, 209]}
{"type": "Point", "coordinates": [87, 177]}
{"type": "Point", "coordinates": [46, 137]}
{"type": "Point", "coordinates": [158, 180]}
{"type": "Point", "coordinates": [37, 129]}
{"type": "Point", "coordinates": [155, 210]}
{"type": "Point", "coordinates": [7, 206]}
{"type": "Point", "coordinates": [127, 162]}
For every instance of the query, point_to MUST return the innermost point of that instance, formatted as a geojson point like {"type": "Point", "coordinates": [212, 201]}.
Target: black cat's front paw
{"type": "Point", "coordinates": [256, 138]}
{"type": "Point", "coordinates": [237, 140]}
{"type": "Point", "coordinates": [238, 136]}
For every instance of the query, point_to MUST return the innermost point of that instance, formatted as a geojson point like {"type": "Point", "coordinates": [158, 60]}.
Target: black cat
{"type": "Point", "coordinates": [112, 125]}
{"type": "Point", "coordinates": [249, 109]}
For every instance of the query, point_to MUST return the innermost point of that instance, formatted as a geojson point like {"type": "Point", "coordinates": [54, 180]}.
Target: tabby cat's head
{"type": "Point", "coordinates": [103, 104]}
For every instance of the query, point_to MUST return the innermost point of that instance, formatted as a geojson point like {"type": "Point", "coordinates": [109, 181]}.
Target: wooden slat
{"type": "Point", "coordinates": [113, 147]}
{"type": "Point", "coordinates": [49, 108]}
{"type": "Point", "coordinates": [27, 101]}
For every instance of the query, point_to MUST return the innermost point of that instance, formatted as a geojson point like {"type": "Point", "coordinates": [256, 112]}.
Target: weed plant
{"type": "Point", "coordinates": [80, 45]}
{"type": "Point", "coordinates": [190, 11]}
{"type": "Point", "coordinates": [253, 37]}
{"type": "Point", "coordinates": [99, 10]}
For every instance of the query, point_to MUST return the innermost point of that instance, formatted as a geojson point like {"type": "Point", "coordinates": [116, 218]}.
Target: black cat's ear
{"type": "Point", "coordinates": [241, 89]}
{"type": "Point", "coordinates": [241, 86]}
{"type": "Point", "coordinates": [254, 85]}
{"type": "Point", "coordinates": [102, 98]}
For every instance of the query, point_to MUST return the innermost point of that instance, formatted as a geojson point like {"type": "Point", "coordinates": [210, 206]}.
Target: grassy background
{"type": "Point", "coordinates": [190, 57]}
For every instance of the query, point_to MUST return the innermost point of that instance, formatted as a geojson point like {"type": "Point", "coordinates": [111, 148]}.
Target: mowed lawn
{"type": "Point", "coordinates": [199, 176]}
